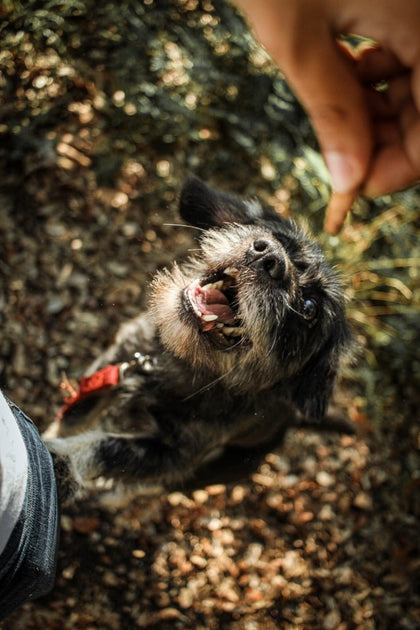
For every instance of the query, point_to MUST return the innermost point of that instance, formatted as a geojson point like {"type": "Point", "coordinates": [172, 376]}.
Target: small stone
{"type": "Point", "coordinates": [289, 481]}
{"type": "Point", "coordinates": [178, 498]}
{"type": "Point", "coordinates": [331, 620]}
{"type": "Point", "coordinates": [55, 305]}
{"type": "Point", "coordinates": [303, 517]}
{"type": "Point", "coordinates": [198, 561]}
{"type": "Point", "coordinates": [169, 613]}
{"type": "Point", "coordinates": [263, 480]}
{"type": "Point", "coordinates": [326, 513]}
{"type": "Point", "coordinates": [185, 598]}
{"type": "Point", "coordinates": [216, 489]}
{"type": "Point", "coordinates": [66, 523]}
{"type": "Point", "coordinates": [200, 496]}
{"type": "Point", "coordinates": [175, 498]}
{"type": "Point", "coordinates": [254, 595]}
{"type": "Point", "coordinates": [238, 494]}
{"type": "Point", "coordinates": [85, 524]}
{"type": "Point", "coordinates": [110, 579]}
{"type": "Point", "coordinates": [214, 524]}
{"type": "Point", "coordinates": [344, 575]}
{"type": "Point", "coordinates": [363, 501]}
{"type": "Point", "coordinates": [324, 479]}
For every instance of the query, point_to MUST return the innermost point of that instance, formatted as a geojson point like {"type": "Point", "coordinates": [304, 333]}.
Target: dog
{"type": "Point", "coordinates": [240, 342]}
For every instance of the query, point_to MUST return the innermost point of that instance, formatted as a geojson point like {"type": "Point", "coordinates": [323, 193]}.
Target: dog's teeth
{"type": "Point", "coordinates": [193, 304]}
{"type": "Point", "coordinates": [231, 271]}
{"type": "Point", "coordinates": [236, 331]}
{"type": "Point", "coordinates": [213, 285]}
{"type": "Point", "coordinates": [209, 318]}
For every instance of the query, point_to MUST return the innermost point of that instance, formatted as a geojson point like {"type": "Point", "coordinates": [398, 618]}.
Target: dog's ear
{"type": "Point", "coordinates": [312, 387]}
{"type": "Point", "coordinates": [205, 207]}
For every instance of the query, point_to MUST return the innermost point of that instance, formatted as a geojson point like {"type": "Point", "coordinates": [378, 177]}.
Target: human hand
{"type": "Point", "coordinates": [370, 139]}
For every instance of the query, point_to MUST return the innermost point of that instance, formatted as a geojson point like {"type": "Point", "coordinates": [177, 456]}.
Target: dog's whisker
{"type": "Point", "coordinates": [290, 308]}
{"type": "Point", "coordinates": [273, 345]}
{"type": "Point", "coordinates": [184, 225]}
{"type": "Point", "coordinates": [208, 386]}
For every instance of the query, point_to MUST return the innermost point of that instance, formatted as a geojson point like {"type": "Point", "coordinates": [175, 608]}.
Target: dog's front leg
{"type": "Point", "coordinates": [149, 459]}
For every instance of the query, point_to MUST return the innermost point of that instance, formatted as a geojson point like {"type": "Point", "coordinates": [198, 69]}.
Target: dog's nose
{"type": "Point", "coordinates": [268, 256]}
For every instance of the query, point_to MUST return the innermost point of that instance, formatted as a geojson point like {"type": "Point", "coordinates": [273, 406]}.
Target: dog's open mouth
{"type": "Point", "coordinates": [214, 303]}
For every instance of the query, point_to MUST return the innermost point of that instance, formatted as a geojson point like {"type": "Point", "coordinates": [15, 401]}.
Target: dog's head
{"type": "Point", "coordinates": [257, 305]}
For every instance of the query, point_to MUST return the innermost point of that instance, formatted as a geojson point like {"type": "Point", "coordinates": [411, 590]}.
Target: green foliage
{"type": "Point", "coordinates": [160, 72]}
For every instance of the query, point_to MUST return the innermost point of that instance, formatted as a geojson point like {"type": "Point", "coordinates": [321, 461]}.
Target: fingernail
{"type": "Point", "coordinates": [345, 175]}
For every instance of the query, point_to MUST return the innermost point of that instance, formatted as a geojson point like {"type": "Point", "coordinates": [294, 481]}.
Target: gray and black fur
{"type": "Point", "coordinates": [245, 340]}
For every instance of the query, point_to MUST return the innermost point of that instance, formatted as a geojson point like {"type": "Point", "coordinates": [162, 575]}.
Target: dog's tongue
{"type": "Point", "coordinates": [214, 302]}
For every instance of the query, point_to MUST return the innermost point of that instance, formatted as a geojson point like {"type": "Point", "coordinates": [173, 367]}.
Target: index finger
{"type": "Point", "coordinates": [339, 206]}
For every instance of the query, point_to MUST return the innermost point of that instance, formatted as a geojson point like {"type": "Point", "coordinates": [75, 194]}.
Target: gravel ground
{"type": "Point", "coordinates": [325, 535]}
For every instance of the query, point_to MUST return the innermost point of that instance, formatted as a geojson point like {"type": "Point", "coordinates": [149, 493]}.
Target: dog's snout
{"type": "Point", "coordinates": [268, 256]}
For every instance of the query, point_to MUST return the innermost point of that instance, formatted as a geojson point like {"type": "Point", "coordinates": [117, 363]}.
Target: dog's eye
{"type": "Point", "coordinates": [310, 309]}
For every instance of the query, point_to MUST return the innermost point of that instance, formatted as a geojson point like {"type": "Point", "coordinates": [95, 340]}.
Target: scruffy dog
{"type": "Point", "coordinates": [240, 342]}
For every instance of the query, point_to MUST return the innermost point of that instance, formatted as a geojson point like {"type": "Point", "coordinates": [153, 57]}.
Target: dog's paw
{"type": "Point", "coordinates": [67, 485]}
{"type": "Point", "coordinates": [74, 462]}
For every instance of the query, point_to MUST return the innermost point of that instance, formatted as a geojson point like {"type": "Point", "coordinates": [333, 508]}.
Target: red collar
{"type": "Point", "coordinates": [102, 380]}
